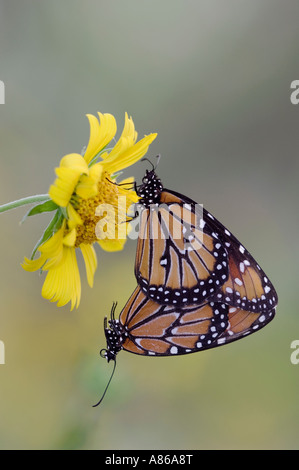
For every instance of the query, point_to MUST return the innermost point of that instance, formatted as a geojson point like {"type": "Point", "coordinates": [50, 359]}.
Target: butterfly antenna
{"type": "Point", "coordinates": [158, 159]}
{"type": "Point", "coordinates": [114, 305]}
{"type": "Point", "coordinates": [146, 159]}
{"type": "Point", "coordinates": [153, 166]}
{"type": "Point", "coordinates": [97, 404]}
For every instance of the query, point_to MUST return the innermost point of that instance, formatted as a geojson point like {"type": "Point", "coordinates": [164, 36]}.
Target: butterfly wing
{"type": "Point", "coordinates": [217, 267]}
{"type": "Point", "coordinates": [247, 287]}
{"type": "Point", "coordinates": [177, 261]}
{"type": "Point", "coordinates": [164, 330]}
{"type": "Point", "coordinates": [243, 323]}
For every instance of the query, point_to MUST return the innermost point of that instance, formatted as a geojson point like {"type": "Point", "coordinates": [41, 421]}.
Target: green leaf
{"type": "Point", "coordinates": [47, 206]}
{"type": "Point", "coordinates": [64, 212]}
{"type": "Point", "coordinates": [53, 226]}
{"type": "Point", "coordinates": [98, 155]}
{"type": "Point", "coordinates": [116, 175]}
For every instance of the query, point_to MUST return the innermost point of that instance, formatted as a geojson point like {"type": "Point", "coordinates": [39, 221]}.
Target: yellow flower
{"type": "Point", "coordinates": [90, 208]}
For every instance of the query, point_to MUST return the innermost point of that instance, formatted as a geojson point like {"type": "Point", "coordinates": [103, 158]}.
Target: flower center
{"type": "Point", "coordinates": [105, 205]}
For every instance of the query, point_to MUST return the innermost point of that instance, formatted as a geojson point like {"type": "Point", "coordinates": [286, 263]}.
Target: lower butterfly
{"type": "Point", "coordinates": [147, 328]}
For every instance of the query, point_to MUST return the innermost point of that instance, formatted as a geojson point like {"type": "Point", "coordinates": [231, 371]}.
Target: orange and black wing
{"type": "Point", "coordinates": [208, 263]}
{"type": "Point", "coordinates": [242, 323]}
{"type": "Point", "coordinates": [160, 330]}
{"type": "Point", "coordinates": [153, 329]}
{"type": "Point", "coordinates": [247, 286]}
{"type": "Point", "coordinates": [179, 259]}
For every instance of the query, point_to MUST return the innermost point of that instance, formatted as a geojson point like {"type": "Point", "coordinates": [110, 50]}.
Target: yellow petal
{"type": "Point", "coordinates": [33, 264]}
{"type": "Point", "coordinates": [127, 155]}
{"type": "Point", "coordinates": [129, 128]}
{"type": "Point", "coordinates": [54, 244]}
{"type": "Point", "coordinates": [62, 189]}
{"type": "Point", "coordinates": [101, 133]}
{"type": "Point", "coordinates": [88, 184]}
{"type": "Point", "coordinates": [112, 245]}
{"type": "Point", "coordinates": [74, 218]}
{"type": "Point", "coordinates": [74, 161]}
{"type": "Point", "coordinates": [90, 259]}
{"type": "Point", "coordinates": [52, 249]}
{"type": "Point", "coordinates": [71, 167]}
{"type": "Point", "coordinates": [51, 252]}
{"type": "Point", "coordinates": [63, 284]}
{"type": "Point", "coordinates": [70, 238]}
{"type": "Point", "coordinates": [54, 261]}
{"type": "Point", "coordinates": [127, 139]}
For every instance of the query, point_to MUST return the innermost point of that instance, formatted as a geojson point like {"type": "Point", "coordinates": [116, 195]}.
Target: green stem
{"type": "Point", "coordinates": [24, 201]}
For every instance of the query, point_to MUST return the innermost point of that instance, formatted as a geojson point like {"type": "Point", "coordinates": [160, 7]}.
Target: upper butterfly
{"type": "Point", "coordinates": [186, 256]}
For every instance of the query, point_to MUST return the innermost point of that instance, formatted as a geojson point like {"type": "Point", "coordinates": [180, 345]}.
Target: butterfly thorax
{"type": "Point", "coordinates": [115, 336]}
{"type": "Point", "coordinates": [150, 189]}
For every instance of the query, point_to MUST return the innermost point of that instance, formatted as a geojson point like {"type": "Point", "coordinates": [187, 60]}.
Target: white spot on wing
{"type": "Point", "coordinates": [221, 341]}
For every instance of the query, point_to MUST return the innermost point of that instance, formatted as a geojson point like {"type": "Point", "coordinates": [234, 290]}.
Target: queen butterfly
{"type": "Point", "coordinates": [204, 260]}
{"type": "Point", "coordinates": [146, 327]}
{"type": "Point", "coordinates": [196, 291]}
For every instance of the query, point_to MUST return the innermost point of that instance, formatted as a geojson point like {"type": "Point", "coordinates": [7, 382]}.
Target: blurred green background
{"type": "Point", "coordinates": [213, 78]}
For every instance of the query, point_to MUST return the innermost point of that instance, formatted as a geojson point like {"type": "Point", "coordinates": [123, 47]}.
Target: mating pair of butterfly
{"type": "Point", "coordinates": [197, 286]}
